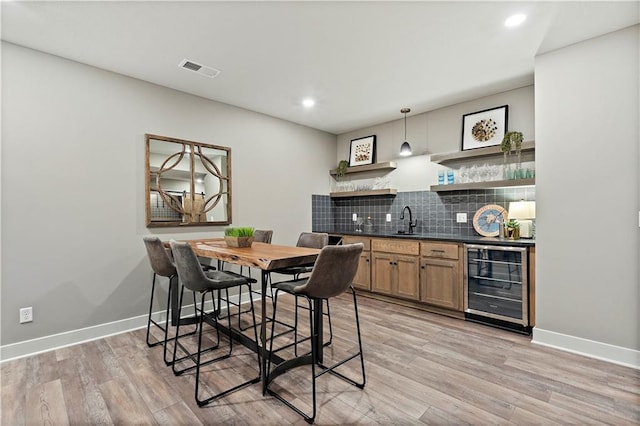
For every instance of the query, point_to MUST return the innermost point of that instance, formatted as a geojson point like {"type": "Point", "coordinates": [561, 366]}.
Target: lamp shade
{"type": "Point", "coordinates": [405, 149]}
{"type": "Point", "coordinates": [522, 210]}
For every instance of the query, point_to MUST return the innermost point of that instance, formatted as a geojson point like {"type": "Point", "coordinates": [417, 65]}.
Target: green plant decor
{"type": "Point", "coordinates": [512, 142]}
{"type": "Point", "coordinates": [243, 231]}
{"type": "Point", "coordinates": [512, 224]}
{"type": "Point", "coordinates": [512, 230]}
{"type": "Point", "coordinates": [342, 168]}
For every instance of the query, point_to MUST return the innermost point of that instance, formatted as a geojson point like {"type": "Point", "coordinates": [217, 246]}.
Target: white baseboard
{"type": "Point", "coordinates": [82, 335]}
{"type": "Point", "coordinates": [604, 351]}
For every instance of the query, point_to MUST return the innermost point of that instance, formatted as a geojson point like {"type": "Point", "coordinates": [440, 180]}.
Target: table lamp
{"type": "Point", "coordinates": [524, 212]}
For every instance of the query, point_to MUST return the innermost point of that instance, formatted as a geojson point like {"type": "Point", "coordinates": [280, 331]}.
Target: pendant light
{"type": "Point", "coordinates": [405, 148]}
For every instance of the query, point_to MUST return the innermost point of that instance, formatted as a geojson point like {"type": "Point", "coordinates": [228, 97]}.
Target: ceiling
{"type": "Point", "coordinates": [361, 61]}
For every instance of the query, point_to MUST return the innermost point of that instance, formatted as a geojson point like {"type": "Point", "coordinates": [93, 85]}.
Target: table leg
{"type": "Point", "coordinates": [263, 331]}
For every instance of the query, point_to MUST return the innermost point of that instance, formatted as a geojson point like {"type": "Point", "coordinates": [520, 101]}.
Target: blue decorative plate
{"type": "Point", "coordinates": [487, 220]}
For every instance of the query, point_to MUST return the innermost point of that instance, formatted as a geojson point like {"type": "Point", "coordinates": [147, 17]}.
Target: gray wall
{"type": "Point", "coordinates": [73, 185]}
{"type": "Point", "coordinates": [587, 151]}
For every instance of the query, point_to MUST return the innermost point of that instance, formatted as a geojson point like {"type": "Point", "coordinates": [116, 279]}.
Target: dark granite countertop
{"type": "Point", "coordinates": [523, 242]}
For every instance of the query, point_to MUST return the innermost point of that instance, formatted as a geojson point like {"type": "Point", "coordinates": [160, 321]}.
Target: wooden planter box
{"type": "Point", "coordinates": [238, 241]}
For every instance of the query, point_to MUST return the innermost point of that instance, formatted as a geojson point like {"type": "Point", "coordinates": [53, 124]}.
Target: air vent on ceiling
{"type": "Point", "coordinates": [199, 68]}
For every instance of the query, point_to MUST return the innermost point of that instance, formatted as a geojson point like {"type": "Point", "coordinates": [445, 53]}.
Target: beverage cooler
{"type": "Point", "coordinates": [496, 286]}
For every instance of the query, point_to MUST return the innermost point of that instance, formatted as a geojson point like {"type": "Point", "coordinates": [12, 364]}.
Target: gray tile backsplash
{"type": "Point", "coordinates": [434, 211]}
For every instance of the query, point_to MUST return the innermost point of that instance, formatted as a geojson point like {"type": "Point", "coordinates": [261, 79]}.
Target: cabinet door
{"type": "Point", "coordinates": [381, 272]}
{"type": "Point", "coordinates": [440, 283]}
{"type": "Point", "coordinates": [362, 279]}
{"type": "Point", "coordinates": [407, 277]}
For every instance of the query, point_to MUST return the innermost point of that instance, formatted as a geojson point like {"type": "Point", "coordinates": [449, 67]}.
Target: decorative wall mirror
{"type": "Point", "coordinates": [187, 183]}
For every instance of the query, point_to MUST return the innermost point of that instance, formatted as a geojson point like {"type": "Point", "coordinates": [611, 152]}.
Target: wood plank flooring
{"type": "Point", "coordinates": [421, 368]}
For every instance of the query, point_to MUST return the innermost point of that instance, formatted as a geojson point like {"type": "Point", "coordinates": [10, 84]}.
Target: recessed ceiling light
{"type": "Point", "coordinates": [515, 20]}
{"type": "Point", "coordinates": [308, 103]}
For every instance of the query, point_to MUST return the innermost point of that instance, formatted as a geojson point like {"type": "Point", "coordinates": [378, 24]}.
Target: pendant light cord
{"type": "Point", "coordinates": [405, 111]}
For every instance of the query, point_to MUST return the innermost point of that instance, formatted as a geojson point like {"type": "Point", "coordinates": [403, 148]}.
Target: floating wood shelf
{"type": "Point", "coordinates": [386, 166]}
{"type": "Point", "coordinates": [483, 185]}
{"type": "Point", "coordinates": [490, 151]}
{"type": "Point", "coordinates": [346, 194]}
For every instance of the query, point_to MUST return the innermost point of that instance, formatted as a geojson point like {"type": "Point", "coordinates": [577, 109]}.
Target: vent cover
{"type": "Point", "coordinates": [199, 68]}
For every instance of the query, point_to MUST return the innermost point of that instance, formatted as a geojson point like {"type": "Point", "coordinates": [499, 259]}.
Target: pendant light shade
{"type": "Point", "coordinates": [405, 148]}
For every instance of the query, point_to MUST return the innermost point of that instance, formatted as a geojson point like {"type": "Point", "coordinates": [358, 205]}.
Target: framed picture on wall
{"type": "Point", "coordinates": [362, 151]}
{"type": "Point", "coordinates": [484, 128]}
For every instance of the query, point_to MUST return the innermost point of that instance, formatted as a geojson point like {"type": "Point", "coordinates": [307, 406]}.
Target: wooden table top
{"type": "Point", "coordinates": [267, 257]}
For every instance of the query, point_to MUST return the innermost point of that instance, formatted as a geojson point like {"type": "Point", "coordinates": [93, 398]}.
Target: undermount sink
{"type": "Point", "coordinates": [403, 233]}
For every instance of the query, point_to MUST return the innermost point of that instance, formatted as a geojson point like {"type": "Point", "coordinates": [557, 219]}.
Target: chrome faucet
{"type": "Point", "coordinates": [412, 224]}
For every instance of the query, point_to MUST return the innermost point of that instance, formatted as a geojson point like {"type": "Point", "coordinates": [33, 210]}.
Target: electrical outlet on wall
{"type": "Point", "coordinates": [26, 315]}
{"type": "Point", "coordinates": [461, 217]}
{"type": "Point", "coordinates": [388, 217]}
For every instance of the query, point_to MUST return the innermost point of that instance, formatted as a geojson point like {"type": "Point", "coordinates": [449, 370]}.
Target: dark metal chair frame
{"type": "Point", "coordinates": [344, 259]}
{"type": "Point", "coordinates": [162, 265]}
{"type": "Point", "coordinates": [311, 240]}
{"type": "Point", "coordinates": [210, 282]}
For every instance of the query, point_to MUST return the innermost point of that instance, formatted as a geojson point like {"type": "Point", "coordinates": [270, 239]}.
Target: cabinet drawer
{"type": "Point", "coordinates": [352, 240]}
{"type": "Point", "coordinates": [396, 246]}
{"type": "Point", "coordinates": [440, 250]}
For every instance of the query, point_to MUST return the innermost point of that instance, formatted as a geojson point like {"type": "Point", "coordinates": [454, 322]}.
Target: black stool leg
{"type": "Point", "coordinates": [150, 320]}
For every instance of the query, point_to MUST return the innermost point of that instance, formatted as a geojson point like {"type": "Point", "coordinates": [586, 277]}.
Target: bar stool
{"type": "Point", "coordinates": [210, 282]}
{"type": "Point", "coordinates": [332, 275]}
{"type": "Point", "coordinates": [162, 265]}
{"type": "Point", "coordinates": [315, 240]}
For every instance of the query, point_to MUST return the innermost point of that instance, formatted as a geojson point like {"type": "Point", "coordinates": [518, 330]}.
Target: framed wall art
{"type": "Point", "coordinates": [484, 128]}
{"type": "Point", "coordinates": [362, 151]}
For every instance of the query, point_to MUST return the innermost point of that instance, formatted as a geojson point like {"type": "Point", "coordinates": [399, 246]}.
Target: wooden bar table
{"type": "Point", "coordinates": [266, 257]}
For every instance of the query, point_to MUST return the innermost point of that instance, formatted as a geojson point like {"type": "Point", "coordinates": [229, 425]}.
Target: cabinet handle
{"type": "Point", "coordinates": [437, 251]}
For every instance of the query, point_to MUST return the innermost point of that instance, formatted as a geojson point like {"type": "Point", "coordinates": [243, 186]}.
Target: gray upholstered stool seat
{"type": "Point", "coordinates": [315, 240]}
{"type": "Point", "coordinates": [162, 265]}
{"type": "Point", "coordinates": [195, 279]}
{"type": "Point", "coordinates": [332, 275]}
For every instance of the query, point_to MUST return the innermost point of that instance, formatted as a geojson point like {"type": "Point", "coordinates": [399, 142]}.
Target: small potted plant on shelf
{"type": "Point", "coordinates": [238, 237]}
{"type": "Point", "coordinates": [512, 229]}
{"type": "Point", "coordinates": [342, 168]}
{"type": "Point", "coordinates": [512, 142]}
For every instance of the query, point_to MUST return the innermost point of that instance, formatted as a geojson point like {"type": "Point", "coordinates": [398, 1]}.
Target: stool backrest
{"type": "Point", "coordinates": [159, 257]}
{"type": "Point", "coordinates": [189, 268]}
{"type": "Point", "coordinates": [315, 240]}
{"type": "Point", "coordinates": [262, 236]}
{"type": "Point", "coordinates": [333, 272]}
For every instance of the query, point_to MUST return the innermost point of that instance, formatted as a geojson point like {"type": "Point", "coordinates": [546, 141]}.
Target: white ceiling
{"type": "Point", "coordinates": [362, 61]}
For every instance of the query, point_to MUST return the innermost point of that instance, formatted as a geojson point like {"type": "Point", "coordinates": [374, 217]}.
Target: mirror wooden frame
{"type": "Point", "coordinates": [188, 208]}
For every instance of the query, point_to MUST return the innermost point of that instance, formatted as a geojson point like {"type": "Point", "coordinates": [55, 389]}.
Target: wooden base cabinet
{"type": "Point", "coordinates": [362, 280]}
{"type": "Point", "coordinates": [395, 268]}
{"type": "Point", "coordinates": [440, 275]}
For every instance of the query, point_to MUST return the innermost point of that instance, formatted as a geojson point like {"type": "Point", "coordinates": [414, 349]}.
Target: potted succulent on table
{"type": "Point", "coordinates": [238, 237]}
{"type": "Point", "coordinates": [512, 229]}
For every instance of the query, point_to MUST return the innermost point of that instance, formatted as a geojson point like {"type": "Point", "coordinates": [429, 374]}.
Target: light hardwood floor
{"type": "Point", "coordinates": [421, 368]}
